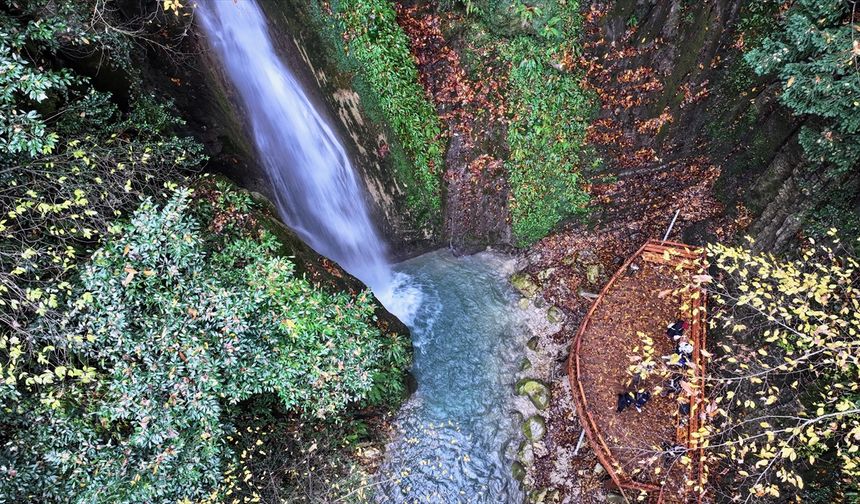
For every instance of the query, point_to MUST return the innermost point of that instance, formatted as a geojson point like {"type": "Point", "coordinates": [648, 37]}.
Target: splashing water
{"type": "Point", "coordinates": [453, 433]}
{"type": "Point", "coordinates": [315, 186]}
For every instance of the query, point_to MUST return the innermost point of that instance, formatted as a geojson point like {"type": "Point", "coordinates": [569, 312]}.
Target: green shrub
{"type": "Point", "coordinates": [382, 55]}
{"type": "Point", "coordinates": [815, 55]}
{"type": "Point", "coordinates": [550, 113]}
{"type": "Point", "coordinates": [171, 328]}
{"type": "Point", "coordinates": [71, 161]}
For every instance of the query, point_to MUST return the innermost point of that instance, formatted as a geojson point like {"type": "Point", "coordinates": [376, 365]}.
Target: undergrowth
{"type": "Point", "coordinates": [550, 111]}
{"type": "Point", "coordinates": [379, 50]}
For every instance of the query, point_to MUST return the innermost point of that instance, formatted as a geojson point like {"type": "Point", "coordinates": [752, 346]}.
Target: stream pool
{"type": "Point", "coordinates": [454, 432]}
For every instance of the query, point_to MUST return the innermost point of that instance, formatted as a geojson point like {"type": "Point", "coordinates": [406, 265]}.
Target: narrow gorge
{"type": "Point", "coordinates": [443, 251]}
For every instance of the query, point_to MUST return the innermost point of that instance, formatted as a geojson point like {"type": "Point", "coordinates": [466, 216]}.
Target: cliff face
{"type": "Point", "coordinates": [718, 108]}
{"type": "Point", "coordinates": [194, 80]}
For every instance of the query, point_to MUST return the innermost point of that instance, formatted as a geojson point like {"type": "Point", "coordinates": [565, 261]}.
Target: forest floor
{"type": "Point", "coordinates": [633, 199]}
{"type": "Point", "coordinates": [636, 198]}
{"type": "Point", "coordinates": [473, 109]}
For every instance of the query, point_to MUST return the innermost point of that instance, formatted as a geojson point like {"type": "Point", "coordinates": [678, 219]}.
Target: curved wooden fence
{"type": "Point", "coordinates": [673, 254]}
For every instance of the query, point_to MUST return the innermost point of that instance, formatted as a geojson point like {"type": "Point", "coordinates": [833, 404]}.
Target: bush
{"type": "Point", "coordinates": [70, 161]}
{"type": "Point", "coordinates": [550, 113]}
{"type": "Point", "coordinates": [170, 329]}
{"type": "Point", "coordinates": [815, 54]}
{"type": "Point", "coordinates": [785, 384]}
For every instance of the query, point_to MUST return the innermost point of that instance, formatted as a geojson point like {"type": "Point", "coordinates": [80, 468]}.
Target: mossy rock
{"type": "Point", "coordinates": [532, 343]}
{"type": "Point", "coordinates": [525, 364]}
{"type": "Point", "coordinates": [518, 471]}
{"type": "Point", "coordinates": [526, 454]}
{"type": "Point", "coordinates": [524, 283]}
{"type": "Point", "coordinates": [534, 428]}
{"type": "Point", "coordinates": [536, 391]}
{"type": "Point", "coordinates": [555, 315]}
{"type": "Point", "coordinates": [545, 274]}
{"type": "Point", "coordinates": [593, 272]}
{"type": "Point", "coordinates": [544, 496]}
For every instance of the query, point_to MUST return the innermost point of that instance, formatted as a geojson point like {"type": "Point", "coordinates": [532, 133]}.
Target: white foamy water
{"type": "Point", "coordinates": [315, 186]}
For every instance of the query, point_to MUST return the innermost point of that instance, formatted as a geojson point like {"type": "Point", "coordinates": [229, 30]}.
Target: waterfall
{"type": "Point", "coordinates": [315, 186]}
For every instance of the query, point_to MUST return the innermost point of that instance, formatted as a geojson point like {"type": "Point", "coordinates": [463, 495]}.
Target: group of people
{"type": "Point", "coordinates": [679, 361]}
{"type": "Point", "coordinates": [683, 355]}
{"type": "Point", "coordinates": [636, 396]}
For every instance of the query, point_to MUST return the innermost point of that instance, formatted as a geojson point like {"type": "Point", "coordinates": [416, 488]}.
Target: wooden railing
{"type": "Point", "coordinates": [674, 254]}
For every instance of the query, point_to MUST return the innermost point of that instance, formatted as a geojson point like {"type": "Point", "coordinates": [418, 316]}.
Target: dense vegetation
{"type": "Point", "coordinates": [815, 53]}
{"type": "Point", "coordinates": [142, 326]}
{"type": "Point", "coordinates": [72, 161]}
{"type": "Point", "coordinates": [379, 50]}
{"type": "Point", "coordinates": [550, 112]}
{"type": "Point", "coordinates": [535, 46]}
{"type": "Point", "coordinates": [184, 313]}
{"type": "Point", "coordinates": [787, 386]}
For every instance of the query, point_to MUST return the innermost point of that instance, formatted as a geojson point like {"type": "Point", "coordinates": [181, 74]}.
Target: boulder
{"type": "Point", "coordinates": [537, 496]}
{"type": "Point", "coordinates": [536, 391]}
{"type": "Point", "coordinates": [585, 257]}
{"type": "Point", "coordinates": [532, 343]}
{"type": "Point", "coordinates": [592, 273]}
{"type": "Point", "coordinates": [555, 315]}
{"type": "Point", "coordinates": [518, 471]}
{"type": "Point", "coordinates": [545, 274]}
{"type": "Point", "coordinates": [526, 364]}
{"type": "Point", "coordinates": [526, 454]}
{"type": "Point", "coordinates": [524, 283]}
{"type": "Point", "coordinates": [534, 428]}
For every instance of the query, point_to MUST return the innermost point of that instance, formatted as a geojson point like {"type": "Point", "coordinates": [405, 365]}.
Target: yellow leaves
{"type": "Point", "coordinates": [789, 453]}
{"type": "Point", "coordinates": [844, 405]}
{"type": "Point", "coordinates": [172, 6]}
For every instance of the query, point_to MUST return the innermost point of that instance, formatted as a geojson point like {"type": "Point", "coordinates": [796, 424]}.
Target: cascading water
{"type": "Point", "coordinates": [314, 183]}
{"type": "Point", "coordinates": [453, 434]}
{"type": "Point", "coordinates": [454, 430]}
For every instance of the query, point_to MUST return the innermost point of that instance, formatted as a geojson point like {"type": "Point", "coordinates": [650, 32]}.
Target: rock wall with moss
{"type": "Point", "coordinates": [721, 107]}
{"type": "Point", "coordinates": [194, 80]}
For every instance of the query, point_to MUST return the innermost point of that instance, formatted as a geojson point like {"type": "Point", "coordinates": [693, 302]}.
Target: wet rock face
{"type": "Point", "coordinates": [693, 49]}
{"type": "Point", "coordinates": [203, 97]}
